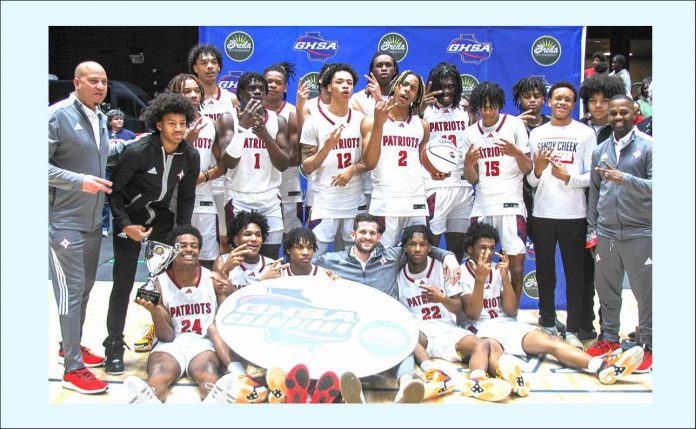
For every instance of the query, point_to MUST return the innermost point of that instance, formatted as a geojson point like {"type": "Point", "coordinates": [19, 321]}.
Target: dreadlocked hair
{"type": "Point", "coordinates": [399, 80]}
{"type": "Point", "coordinates": [487, 91]}
{"type": "Point", "coordinates": [176, 85]}
{"type": "Point", "coordinates": [441, 71]}
{"type": "Point", "coordinates": [528, 84]}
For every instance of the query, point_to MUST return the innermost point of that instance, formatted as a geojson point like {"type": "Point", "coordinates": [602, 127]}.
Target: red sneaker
{"type": "Point", "coordinates": [90, 359]}
{"type": "Point", "coordinates": [297, 382]}
{"type": "Point", "coordinates": [646, 364]}
{"type": "Point", "coordinates": [82, 380]}
{"type": "Point", "coordinates": [327, 390]}
{"type": "Point", "coordinates": [603, 348]}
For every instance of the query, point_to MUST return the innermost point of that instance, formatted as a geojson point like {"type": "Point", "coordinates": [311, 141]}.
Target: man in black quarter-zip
{"type": "Point", "coordinates": [144, 182]}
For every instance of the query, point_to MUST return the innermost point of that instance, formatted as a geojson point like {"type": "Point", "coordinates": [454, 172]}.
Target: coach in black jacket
{"type": "Point", "coordinates": [143, 184]}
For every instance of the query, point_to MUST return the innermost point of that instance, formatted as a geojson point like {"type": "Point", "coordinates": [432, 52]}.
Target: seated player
{"type": "Point", "coordinates": [299, 247]}
{"type": "Point", "coordinates": [434, 302]}
{"type": "Point", "coordinates": [489, 301]}
{"type": "Point", "coordinates": [189, 342]}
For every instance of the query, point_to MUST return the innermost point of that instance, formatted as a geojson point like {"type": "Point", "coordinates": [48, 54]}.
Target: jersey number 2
{"type": "Point", "coordinates": [402, 158]}
{"type": "Point", "coordinates": [187, 327]}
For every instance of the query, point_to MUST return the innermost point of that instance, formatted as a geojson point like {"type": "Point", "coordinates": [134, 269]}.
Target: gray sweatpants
{"type": "Point", "coordinates": [612, 259]}
{"type": "Point", "coordinates": [73, 258]}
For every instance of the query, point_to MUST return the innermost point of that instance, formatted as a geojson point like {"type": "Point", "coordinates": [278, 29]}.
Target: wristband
{"type": "Point", "coordinates": [205, 173]}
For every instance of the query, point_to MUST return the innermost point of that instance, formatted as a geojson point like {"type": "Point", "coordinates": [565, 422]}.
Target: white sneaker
{"type": "Point", "coordinates": [351, 389]}
{"type": "Point", "coordinates": [218, 391]}
{"type": "Point", "coordinates": [410, 392]}
{"type": "Point", "coordinates": [139, 392]}
{"type": "Point", "coordinates": [510, 371]}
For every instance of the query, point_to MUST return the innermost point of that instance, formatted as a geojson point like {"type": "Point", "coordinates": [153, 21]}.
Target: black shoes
{"type": "Point", "coordinates": [114, 347]}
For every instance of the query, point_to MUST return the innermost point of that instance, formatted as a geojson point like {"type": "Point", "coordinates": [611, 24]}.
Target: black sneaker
{"type": "Point", "coordinates": [114, 347]}
{"type": "Point", "coordinates": [583, 335]}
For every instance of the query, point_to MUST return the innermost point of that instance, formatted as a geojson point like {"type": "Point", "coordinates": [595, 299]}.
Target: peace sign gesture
{"type": "Point", "coordinates": [503, 264]}
{"type": "Point", "coordinates": [191, 133]}
{"type": "Point", "coordinates": [482, 267]}
{"type": "Point", "coordinates": [610, 174]}
{"type": "Point", "coordinates": [382, 109]}
{"type": "Point", "coordinates": [430, 98]}
{"type": "Point", "coordinates": [373, 87]}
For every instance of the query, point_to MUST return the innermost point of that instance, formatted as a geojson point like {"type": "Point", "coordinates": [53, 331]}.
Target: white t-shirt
{"type": "Point", "coordinates": [499, 188]}
{"type": "Point", "coordinates": [572, 144]}
{"type": "Point", "coordinates": [492, 310]}
{"type": "Point", "coordinates": [335, 201]}
{"type": "Point", "coordinates": [447, 123]}
{"type": "Point", "coordinates": [411, 295]}
{"type": "Point", "coordinates": [191, 307]}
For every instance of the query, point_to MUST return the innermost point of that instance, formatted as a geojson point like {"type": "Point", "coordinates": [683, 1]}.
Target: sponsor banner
{"type": "Point", "coordinates": [530, 286]}
{"type": "Point", "coordinates": [327, 325]}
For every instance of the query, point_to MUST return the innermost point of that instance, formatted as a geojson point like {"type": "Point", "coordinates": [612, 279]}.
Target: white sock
{"type": "Point", "coordinates": [236, 368]}
{"type": "Point", "coordinates": [594, 364]}
{"type": "Point", "coordinates": [426, 365]}
{"type": "Point", "coordinates": [477, 374]}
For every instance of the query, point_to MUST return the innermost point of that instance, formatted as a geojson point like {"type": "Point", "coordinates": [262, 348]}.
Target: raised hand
{"type": "Point", "coordinates": [191, 133]}
{"type": "Point", "coordinates": [526, 116]}
{"type": "Point", "coordinates": [482, 267]}
{"type": "Point", "coordinates": [504, 263]}
{"type": "Point", "coordinates": [609, 173]}
{"type": "Point", "coordinates": [507, 147]}
{"type": "Point", "coordinates": [430, 97]}
{"type": "Point", "coordinates": [382, 109]}
{"type": "Point", "coordinates": [373, 87]}
{"type": "Point", "coordinates": [236, 258]}
{"type": "Point", "coordinates": [274, 270]}
{"type": "Point", "coordinates": [248, 117]}
{"type": "Point", "coordinates": [472, 156]}
{"type": "Point", "coordinates": [542, 158]}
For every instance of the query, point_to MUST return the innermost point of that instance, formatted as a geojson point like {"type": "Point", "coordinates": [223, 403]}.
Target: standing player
{"type": "Point", "coordinates": [332, 150]}
{"type": "Point", "coordinates": [245, 265]}
{"type": "Point", "coordinates": [489, 301]}
{"type": "Point", "coordinates": [434, 302]}
{"type": "Point", "coordinates": [383, 68]}
{"type": "Point", "coordinates": [451, 198]}
{"type": "Point", "coordinates": [205, 61]}
{"type": "Point", "coordinates": [562, 156]}
{"type": "Point", "coordinates": [277, 75]}
{"type": "Point", "coordinates": [299, 246]}
{"type": "Point", "coordinates": [392, 141]}
{"type": "Point", "coordinates": [255, 158]}
{"type": "Point", "coordinates": [497, 158]}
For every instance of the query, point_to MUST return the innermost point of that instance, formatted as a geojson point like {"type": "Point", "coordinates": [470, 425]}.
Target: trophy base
{"type": "Point", "coordinates": [152, 296]}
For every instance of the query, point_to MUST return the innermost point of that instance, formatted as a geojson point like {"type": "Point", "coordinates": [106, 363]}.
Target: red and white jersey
{"type": "Point", "coordinates": [290, 189]}
{"type": "Point", "coordinates": [330, 201]}
{"type": "Point", "coordinates": [411, 294]}
{"type": "Point", "coordinates": [204, 145]}
{"type": "Point", "coordinates": [365, 101]}
{"type": "Point", "coordinates": [315, 271]}
{"type": "Point", "coordinates": [246, 274]}
{"type": "Point", "coordinates": [255, 174]}
{"type": "Point", "coordinates": [216, 106]}
{"type": "Point", "coordinates": [398, 172]}
{"type": "Point", "coordinates": [492, 294]}
{"type": "Point", "coordinates": [191, 307]}
{"type": "Point", "coordinates": [499, 189]}
{"type": "Point", "coordinates": [447, 123]}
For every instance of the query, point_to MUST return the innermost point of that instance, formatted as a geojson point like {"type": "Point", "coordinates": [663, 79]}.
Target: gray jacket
{"type": "Point", "coordinates": [622, 211]}
{"type": "Point", "coordinates": [72, 153]}
{"type": "Point", "coordinates": [381, 271]}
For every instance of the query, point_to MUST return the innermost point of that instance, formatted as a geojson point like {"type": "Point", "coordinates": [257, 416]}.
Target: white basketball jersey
{"type": "Point", "coordinates": [214, 108]}
{"type": "Point", "coordinates": [245, 274]}
{"type": "Point", "coordinates": [331, 201]}
{"type": "Point", "coordinates": [204, 145]}
{"type": "Point", "coordinates": [366, 103]}
{"type": "Point", "coordinates": [411, 294]}
{"type": "Point", "coordinates": [492, 293]}
{"type": "Point", "coordinates": [290, 189]}
{"type": "Point", "coordinates": [499, 188]}
{"type": "Point", "coordinates": [398, 173]}
{"type": "Point", "coordinates": [316, 271]}
{"type": "Point", "coordinates": [447, 123]}
{"type": "Point", "coordinates": [191, 307]}
{"type": "Point", "coordinates": [255, 173]}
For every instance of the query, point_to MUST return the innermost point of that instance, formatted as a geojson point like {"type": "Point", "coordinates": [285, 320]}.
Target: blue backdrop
{"type": "Point", "coordinates": [499, 54]}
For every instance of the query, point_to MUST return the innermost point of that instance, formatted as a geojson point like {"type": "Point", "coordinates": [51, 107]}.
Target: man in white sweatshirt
{"type": "Point", "coordinates": [562, 157]}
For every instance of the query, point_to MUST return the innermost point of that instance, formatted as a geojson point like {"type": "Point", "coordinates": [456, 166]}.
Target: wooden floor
{"type": "Point", "coordinates": [550, 381]}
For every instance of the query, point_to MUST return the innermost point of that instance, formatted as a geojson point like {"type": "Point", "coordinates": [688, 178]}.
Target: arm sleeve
{"type": "Point", "coordinates": [186, 197]}
{"type": "Point", "coordinates": [59, 177]}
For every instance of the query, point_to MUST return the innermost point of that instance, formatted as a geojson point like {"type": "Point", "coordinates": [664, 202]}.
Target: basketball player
{"type": "Point", "coordinates": [205, 61]}
{"type": "Point", "coordinates": [189, 342]}
{"type": "Point", "coordinates": [277, 75]}
{"type": "Point", "coordinates": [392, 141]}
{"type": "Point", "coordinates": [299, 246]}
{"type": "Point", "coordinates": [489, 302]}
{"type": "Point", "coordinates": [434, 302]}
{"type": "Point", "coordinates": [205, 136]}
{"type": "Point", "coordinates": [450, 198]}
{"type": "Point", "coordinates": [255, 158]}
{"type": "Point", "coordinates": [562, 157]}
{"type": "Point", "coordinates": [383, 68]}
{"type": "Point", "coordinates": [245, 265]}
{"type": "Point", "coordinates": [497, 158]}
{"type": "Point", "coordinates": [331, 145]}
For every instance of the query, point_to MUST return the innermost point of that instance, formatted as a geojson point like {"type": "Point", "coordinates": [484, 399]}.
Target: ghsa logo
{"type": "Point", "coordinates": [469, 49]}
{"type": "Point", "coordinates": [395, 44]}
{"type": "Point", "coordinates": [531, 253]}
{"type": "Point", "coordinates": [546, 51]}
{"type": "Point", "coordinates": [230, 80]}
{"type": "Point", "coordinates": [469, 82]}
{"type": "Point", "coordinates": [312, 79]}
{"type": "Point", "coordinates": [316, 47]}
{"type": "Point", "coordinates": [239, 46]}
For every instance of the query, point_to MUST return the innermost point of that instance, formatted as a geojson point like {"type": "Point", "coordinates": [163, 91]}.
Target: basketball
{"type": "Point", "coordinates": [439, 156]}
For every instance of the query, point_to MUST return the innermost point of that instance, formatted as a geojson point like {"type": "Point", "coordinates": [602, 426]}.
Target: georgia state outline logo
{"type": "Point", "coordinates": [470, 49]}
{"type": "Point", "coordinates": [230, 80]}
{"type": "Point", "coordinates": [315, 46]}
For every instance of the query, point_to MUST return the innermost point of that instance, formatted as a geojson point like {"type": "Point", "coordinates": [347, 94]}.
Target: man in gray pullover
{"type": "Point", "coordinates": [620, 213]}
{"type": "Point", "coordinates": [78, 145]}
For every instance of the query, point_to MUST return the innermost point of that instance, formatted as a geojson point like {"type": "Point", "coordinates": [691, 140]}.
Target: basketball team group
{"type": "Point", "coordinates": [392, 170]}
